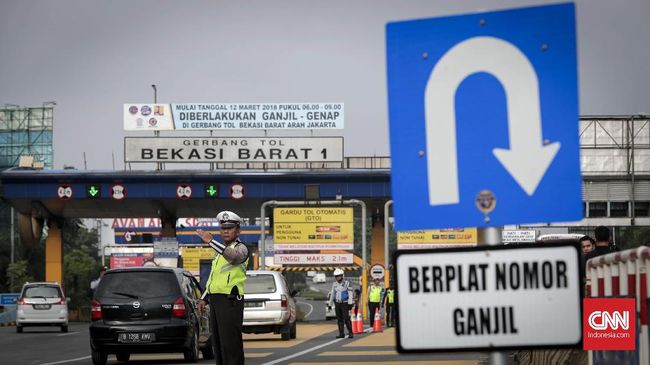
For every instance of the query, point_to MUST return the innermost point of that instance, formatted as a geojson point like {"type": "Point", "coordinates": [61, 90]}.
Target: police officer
{"type": "Point", "coordinates": [341, 296]}
{"type": "Point", "coordinates": [375, 295]}
{"type": "Point", "coordinates": [389, 300]}
{"type": "Point", "coordinates": [225, 290]}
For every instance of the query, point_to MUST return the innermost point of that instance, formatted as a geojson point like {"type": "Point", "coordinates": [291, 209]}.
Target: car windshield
{"type": "Point", "coordinates": [259, 284]}
{"type": "Point", "coordinates": [42, 291]}
{"type": "Point", "coordinates": [138, 284]}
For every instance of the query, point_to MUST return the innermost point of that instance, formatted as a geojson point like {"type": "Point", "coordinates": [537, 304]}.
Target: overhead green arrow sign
{"type": "Point", "coordinates": [211, 190]}
{"type": "Point", "coordinates": [93, 191]}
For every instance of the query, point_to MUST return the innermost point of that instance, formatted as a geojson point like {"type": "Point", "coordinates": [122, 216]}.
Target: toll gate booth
{"type": "Point", "coordinates": [47, 196]}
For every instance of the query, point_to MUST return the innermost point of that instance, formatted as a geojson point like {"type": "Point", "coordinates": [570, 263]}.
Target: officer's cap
{"type": "Point", "coordinates": [228, 219]}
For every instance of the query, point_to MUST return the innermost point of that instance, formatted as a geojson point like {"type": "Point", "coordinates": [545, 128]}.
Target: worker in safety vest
{"type": "Point", "coordinates": [341, 297]}
{"type": "Point", "coordinates": [375, 295]}
{"type": "Point", "coordinates": [225, 290]}
{"type": "Point", "coordinates": [389, 304]}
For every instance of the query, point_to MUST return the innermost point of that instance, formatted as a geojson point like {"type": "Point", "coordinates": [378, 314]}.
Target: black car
{"type": "Point", "coordinates": [148, 310]}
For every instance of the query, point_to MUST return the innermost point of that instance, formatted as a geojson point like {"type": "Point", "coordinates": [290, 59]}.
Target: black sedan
{"type": "Point", "coordinates": [148, 310]}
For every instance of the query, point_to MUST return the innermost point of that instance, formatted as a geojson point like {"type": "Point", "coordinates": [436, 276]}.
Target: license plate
{"type": "Point", "coordinates": [252, 304]}
{"type": "Point", "coordinates": [42, 306]}
{"type": "Point", "coordinates": [135, 337]}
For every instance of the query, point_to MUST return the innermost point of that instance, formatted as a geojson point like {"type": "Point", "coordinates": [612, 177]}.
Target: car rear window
{"type": "Point", "coordinates": [259, 284]}
{"type": "Point", "coordinates": [42, 291]}
{"type": "Point", "coordinates": [138, 284]}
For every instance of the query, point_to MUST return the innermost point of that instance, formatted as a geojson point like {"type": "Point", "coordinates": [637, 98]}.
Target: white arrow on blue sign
{"type": "Point", "coordinates": [484, 119]}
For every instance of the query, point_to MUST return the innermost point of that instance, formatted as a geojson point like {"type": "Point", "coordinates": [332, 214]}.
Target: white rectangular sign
{"type": "Point", "coordinates": [517, 236]}
{"type": "Point", "coordinates": [233, 116]}
{"type": "Point", "coordinates": [233, 149]}
{"type": "Point", "coordinates": [486, 298]}
{"type": "Point", "coordinates": [312, 259]}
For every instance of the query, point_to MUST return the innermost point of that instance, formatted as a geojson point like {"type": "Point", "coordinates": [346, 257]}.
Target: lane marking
{"type": "Point", "coordinates": [310, 310]}
{"type": "Point", "coordinates": [66, 334]}
{"type": "Point", "coordinates": [302, 352]}
{"type": "Point", "coordinates": [359, 353]}
{"type": "Point", "coordinates": [65, 361]}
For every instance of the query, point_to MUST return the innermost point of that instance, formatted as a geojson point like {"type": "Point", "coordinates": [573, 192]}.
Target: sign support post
{"type": "Point", "coordinates": [492, 237]}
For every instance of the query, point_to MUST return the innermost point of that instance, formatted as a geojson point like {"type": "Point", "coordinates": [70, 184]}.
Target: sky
{"type": "Point", "coordinates": [91, 57]}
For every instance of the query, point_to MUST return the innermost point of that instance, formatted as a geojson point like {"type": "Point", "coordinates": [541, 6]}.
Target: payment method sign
{"type": "Point", "coordinates": [437, 238]}
{"type": "Point", "coordinates": [318, 228]}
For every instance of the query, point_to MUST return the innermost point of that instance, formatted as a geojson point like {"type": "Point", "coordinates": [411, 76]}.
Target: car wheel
{"type": "Point", "coordinates": [208, 351]}
{"type": "Point", "coordinates": [99, 358]}
{"type": "Point", "coordinates": [292, 331]}
{"type": "Point", "coordinates": [285, 332]}
{"type": "Point", "coordinates": [192, 353]}
{"type": "Point", "coordinates": [123, 356]}
{"type": "Point", "coordinates": [19, 329]}
{"type": "Point", "coordinates": [64, 328]}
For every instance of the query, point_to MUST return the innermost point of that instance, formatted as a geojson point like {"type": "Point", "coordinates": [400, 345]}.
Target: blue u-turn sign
{"type": "Point", "coordinates": [484, 119]}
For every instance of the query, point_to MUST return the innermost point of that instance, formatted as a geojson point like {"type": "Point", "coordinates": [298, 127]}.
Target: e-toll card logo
{"type": "Point", "coordinates": [609, 324]}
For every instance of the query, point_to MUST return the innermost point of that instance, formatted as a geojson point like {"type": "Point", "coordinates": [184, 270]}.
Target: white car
{"type": "Point", "coordinates": [268, 306]}
{"type": "Point", "coordinates": [42, 304]}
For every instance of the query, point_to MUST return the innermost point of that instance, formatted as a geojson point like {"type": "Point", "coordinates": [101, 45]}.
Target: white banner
{"type": "Point", "coordinates": [312, 258]}
{"type": "Point", "coordinates": [233, 149]}
{"type": "Point", "coordinates": [233, 116]}
{"type": "Point", "coordinates": [517, 236]}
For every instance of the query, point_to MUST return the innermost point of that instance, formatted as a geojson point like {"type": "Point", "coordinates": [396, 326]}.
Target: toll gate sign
{"type": "Point", "coordinates": [318, 228]}
{"type": "Point", "coordinates": [489, 298]}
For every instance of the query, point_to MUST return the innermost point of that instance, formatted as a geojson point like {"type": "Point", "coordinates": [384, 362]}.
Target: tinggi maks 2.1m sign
{"type": "Point", "coordinates": [488, 298]}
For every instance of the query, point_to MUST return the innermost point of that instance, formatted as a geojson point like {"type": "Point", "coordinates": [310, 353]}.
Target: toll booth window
{"type": "Point", "coordinates": [597, 209]}
{"type": "Point", "coordinates": [642, 209]}
{"type": "Point", "coordinates": [618, 209]}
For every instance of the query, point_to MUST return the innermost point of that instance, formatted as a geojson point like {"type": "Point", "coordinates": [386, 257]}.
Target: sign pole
{"type": "Point", "coordinates": [492, 237]}
{"type": "Point", "coordinates": [387, 239]}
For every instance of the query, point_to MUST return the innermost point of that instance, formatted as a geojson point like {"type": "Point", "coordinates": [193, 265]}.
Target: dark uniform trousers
{"type": "Point", "coordinates": [226, 317]}
{"type": "Point", "coordinates": [342, 311]}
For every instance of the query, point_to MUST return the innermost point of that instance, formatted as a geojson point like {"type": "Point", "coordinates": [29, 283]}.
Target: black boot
{"type": "Point", "coordinates": [341, 335]}
{"type": "Point", "coordinates": [348, 324]}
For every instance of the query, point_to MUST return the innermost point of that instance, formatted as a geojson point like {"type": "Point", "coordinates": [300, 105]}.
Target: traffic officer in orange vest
{"type": "Point", "coordinates": [375, 295]}
{"type": "Point", "coordinates": [225, 290]}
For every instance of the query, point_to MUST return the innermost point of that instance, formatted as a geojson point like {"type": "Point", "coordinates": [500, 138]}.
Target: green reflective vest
{"type": "Point", "coordinates": [375, 294]}
{"type": "Point", "coordinates": [390, 293]}
{"type": "Point", "coordinates": [224, 276]}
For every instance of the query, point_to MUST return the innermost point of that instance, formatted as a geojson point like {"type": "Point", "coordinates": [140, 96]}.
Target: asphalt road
{"type": "Point", "coordinates": [315, 344]}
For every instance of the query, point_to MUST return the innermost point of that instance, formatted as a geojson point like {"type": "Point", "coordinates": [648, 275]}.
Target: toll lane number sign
{"type": "Point", "coordinates": [489, 298]}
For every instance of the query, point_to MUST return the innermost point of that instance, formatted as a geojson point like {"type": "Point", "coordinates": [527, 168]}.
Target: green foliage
{"type": "Point", "coordinates": [17, 275]}
{"type": "Point", "coordinates": [79, 269]}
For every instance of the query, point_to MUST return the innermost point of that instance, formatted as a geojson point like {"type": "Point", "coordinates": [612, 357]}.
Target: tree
{"type": "Point", "coordinates": [17, 275]}
{"type": "Point", "coordinates": [78, 270]}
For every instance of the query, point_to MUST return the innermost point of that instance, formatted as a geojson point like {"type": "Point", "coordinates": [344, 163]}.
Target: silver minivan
{"type": "Point", "coordinates": [42, 304]}
{"type": "Point", "coordinates": [268, 305]}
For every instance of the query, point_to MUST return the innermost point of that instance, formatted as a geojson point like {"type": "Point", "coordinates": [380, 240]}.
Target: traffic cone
{"type": "Point", "coordinates": [359, 322]}
{"type": "Point", "coordinates": [353, 317]}
{"type": "Point", "coordinates": [376, 324]}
